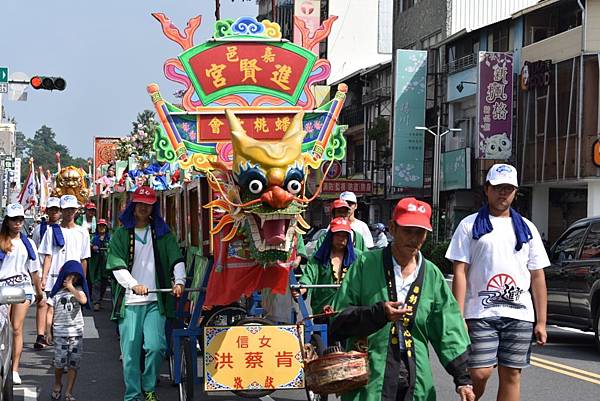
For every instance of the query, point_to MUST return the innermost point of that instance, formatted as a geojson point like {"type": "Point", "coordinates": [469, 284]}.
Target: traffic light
{"type": "Point", "coordinates": [48, 83]}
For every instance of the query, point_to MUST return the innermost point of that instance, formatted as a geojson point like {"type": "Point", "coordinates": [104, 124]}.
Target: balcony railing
{"type": "Point", "coordinates": [352, 115]}
{"type": "Point", "coordinates": [372, 95]}
{"type": "Point", "coordinates": [460, 64]}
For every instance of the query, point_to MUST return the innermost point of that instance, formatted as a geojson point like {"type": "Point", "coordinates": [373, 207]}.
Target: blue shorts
{"type": "Point", "coordinates": [500, 341]}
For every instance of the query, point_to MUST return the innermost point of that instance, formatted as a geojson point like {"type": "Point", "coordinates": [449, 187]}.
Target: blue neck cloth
{"type": "Point", "coordinates": [161, 228]}
{"type": "Point", "coordinates": [483, 226]}
{"type": "Point", "coordinates": [57, 235]}
{"type": "Point", "coordinates": [323, 254]}
{"type": "Point", "coordinates": [71, 267]}
{"type": "Point", "coordinates": [30, 251]}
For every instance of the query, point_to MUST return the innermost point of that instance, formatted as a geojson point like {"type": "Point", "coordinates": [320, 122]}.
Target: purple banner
{"type": "Point", "coordinates": [494, 105]}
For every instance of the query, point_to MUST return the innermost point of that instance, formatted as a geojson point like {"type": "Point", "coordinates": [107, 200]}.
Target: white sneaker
{"type": "Point", "coordinates": [16, 378]}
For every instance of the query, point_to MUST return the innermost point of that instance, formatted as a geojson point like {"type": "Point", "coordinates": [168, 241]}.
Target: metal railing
{"type": "Point", "coordinates": [352, 115]}
{"type": "Point", "coordinates": [375, 94]}
{"type": "Point", "coordinates": [460, 64]}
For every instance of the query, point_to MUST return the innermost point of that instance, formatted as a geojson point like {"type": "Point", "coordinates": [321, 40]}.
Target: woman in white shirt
{"type": "Point", "coordinates": [19, 267]}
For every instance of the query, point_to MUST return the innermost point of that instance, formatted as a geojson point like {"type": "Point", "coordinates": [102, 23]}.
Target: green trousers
{"type": "Point", "coordinates": [143, 327]}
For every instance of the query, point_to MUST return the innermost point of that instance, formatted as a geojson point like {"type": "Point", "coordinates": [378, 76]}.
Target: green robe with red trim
{"type": "Point", "coordinates": [437, 321]}
{"type": "Point", "coordinates": [166, 255]}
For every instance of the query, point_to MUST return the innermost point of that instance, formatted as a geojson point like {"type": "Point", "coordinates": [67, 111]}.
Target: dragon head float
{"type": "Point", "coordinates": [268, 181]}
{"type": "Point", "coordinates": [70, 180]}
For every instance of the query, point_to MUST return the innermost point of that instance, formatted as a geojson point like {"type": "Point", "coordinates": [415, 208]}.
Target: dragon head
{"type": "Point", "coordinates": [270, 178]}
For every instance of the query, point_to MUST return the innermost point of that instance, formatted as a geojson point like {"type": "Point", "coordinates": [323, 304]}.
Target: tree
{"type": "Point", "coordinates": [43, 148]}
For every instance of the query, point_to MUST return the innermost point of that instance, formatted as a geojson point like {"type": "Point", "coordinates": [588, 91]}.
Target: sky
{"type": "Point", "coordinates": [108, 52]}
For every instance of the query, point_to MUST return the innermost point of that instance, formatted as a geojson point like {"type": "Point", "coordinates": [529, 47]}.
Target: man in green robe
{"type": "Point", "coordinates": [329, 264]}
{"type": "Point", "coordinates": [401, 303]}
{"type": "Point", "coordinates": [143, 255]}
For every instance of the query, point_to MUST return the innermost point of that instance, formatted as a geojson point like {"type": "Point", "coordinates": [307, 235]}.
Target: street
{"type": "Point", "coordinates": [566, 369]}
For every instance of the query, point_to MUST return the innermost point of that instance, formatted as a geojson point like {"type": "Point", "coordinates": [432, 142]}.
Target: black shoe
{"type": "Point", "coordinates": [40, 343]}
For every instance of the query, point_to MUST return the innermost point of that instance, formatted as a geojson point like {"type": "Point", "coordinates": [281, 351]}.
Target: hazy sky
{"type": "Point", "coordinates": [107, 51]}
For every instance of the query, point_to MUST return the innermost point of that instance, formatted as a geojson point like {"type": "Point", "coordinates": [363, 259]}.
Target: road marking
{"type": "Point", "coordinates": [89, 328]}
{"type": "Point", "coordinates": [266, 398]}
{"type": "Point", "coordinates": [565, 370]}
{"type": "Point", "coordinates": [29, 393]}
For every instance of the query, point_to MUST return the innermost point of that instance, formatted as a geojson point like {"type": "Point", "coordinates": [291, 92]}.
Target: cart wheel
{"type": "Point", "coordinates": [253, 321]}
{"type": "Point", "coordinates": [226, 316]}
{"type": "Point", "coordinates": [186, 386]}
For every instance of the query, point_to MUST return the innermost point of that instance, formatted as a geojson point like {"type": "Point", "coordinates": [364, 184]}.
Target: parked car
{"type": "Point", "coordinates": [573, 278]}
{"type": "Point", "coordinates": [8, 295]}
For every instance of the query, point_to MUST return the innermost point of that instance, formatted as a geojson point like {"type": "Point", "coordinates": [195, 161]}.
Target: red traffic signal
{"type": "Point", "coordinates": [48, 83]}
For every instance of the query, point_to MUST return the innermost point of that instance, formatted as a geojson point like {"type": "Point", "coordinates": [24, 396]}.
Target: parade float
{"type": "Point", "coordinates": [246, 134]}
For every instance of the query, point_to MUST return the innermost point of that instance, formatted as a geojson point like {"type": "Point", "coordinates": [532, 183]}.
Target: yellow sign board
{"type": "Point", "coordinates": [252, 358]}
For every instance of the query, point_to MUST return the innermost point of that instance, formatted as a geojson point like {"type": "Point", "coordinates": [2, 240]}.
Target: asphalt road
{"type": "Point", "coordinates": [566, 369]}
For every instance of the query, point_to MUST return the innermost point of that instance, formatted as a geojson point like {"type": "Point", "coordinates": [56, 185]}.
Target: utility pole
{"type": "Point", "coordinates": [436, 178]}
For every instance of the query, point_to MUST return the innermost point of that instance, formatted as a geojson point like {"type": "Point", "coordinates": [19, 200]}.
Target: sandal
{"type": "Point", "coordinates": [70, 397]}
{"type": "Point", "coordinates": [55, 395]}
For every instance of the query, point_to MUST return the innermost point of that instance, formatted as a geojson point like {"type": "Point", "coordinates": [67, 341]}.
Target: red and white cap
{"type": "Point", "coordinates": [340, 224]}
{"type": "Point", "coordinates": [410, 212]}
{"type": "Point", "coordinates": [102, 221]}
{"type": "Point", "coordinates": [90, 206]}
{"type": "Point", "coordinates": [339, 203]}
{"type": "Point", "coordinates": [144, 195]}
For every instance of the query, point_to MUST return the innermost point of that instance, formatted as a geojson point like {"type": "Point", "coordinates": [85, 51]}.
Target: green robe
{"type": "Point", "coordinates": [437, 321]}
{"type": "Point", "coordinates": [98, 263]}
{"type": "Point", "coordinates": [166, 255]}
{"type": "Point", "coordinates": [357, 241]}
{"type": "Point", "coordinates": [317, 273]}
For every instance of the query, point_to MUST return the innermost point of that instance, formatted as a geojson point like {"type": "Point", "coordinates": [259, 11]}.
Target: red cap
{"type": "Point", "coordinates": [339, 203]}
{"type": "Point", "coordinates": [102, 221]}
{"type": "Point", "coordinates": [144, 195]}
{"type": "Point", "coordinates": [90, 205]}
{"type": "Point", "coordinates": [340, 224]}
{"type": "Point", "coordinates": [410, 212]}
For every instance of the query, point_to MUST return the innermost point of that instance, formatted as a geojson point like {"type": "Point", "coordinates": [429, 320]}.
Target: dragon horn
{"type": "Point", "coordinates": [295, 126]}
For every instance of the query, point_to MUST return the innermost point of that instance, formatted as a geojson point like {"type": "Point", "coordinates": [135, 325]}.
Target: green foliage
{"type": "Point", "coordinates": [436, 254]}
{"type": "Point", "coordinates": [379, 131]}
{"type": "Point", "coordinates": [43, 148]}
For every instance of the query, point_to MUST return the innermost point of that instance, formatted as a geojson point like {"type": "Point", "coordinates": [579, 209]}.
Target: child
{"type": "Point", "coordinates": [68, 294]}
{"type": "Point", "coordinates": [98, 275]}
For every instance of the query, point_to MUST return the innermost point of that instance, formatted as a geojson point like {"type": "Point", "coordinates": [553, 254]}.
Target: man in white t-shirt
{"type": "Point", "coordinates": [55, 251]}
{"type": "Point", "coordinates": [498, 260]}
{"type": "Point", "coordinates": [357, 225]}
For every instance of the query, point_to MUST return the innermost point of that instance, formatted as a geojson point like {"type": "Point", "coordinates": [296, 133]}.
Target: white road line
{"type": "Point", "coordinates": [89, 328]}
{"type": "Point", "coordinates": [266, 398]}
{"type": "Point", "coordinates": [29, 393]}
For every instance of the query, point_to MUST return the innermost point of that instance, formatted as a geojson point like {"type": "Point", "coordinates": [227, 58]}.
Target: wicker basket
{"type": "Point", "coordinates": [337, 373]}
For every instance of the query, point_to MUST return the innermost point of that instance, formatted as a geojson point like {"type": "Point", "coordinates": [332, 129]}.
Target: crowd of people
{"type": "Point", "coordinates": [389, 292]}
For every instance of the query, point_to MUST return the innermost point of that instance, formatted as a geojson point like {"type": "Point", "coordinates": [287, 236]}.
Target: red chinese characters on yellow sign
{"type": "Point", "coordinates": [254, 357]}
{"type": "Point", "coordinates": [214, 127]}
{"type": "Point", "coordinates": [227, 65]}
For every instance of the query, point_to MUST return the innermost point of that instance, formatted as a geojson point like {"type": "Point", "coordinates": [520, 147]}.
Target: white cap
{"type": "Point", "coordinates": [15, 210]}
{"type": "Point", "coordinates": [53, 202]}
{"type": "Point", "coordinates": [502, 174]}
{"type": "Point", "coordinates": [348, 196]}
{"type": "Point", "coordinates": [68, 201]}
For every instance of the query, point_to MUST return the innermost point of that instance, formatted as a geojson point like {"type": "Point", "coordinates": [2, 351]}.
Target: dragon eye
{"type": "Point", "coordinates": [294, 187]}
{"type": "Point", "coordinates": [255, 186]}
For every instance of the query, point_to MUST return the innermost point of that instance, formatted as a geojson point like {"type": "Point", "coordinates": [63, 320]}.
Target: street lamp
{"type": "Point", "coordinates": [435, 181]}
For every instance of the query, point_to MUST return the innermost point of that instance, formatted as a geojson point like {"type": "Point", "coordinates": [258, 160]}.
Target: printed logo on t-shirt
{"type": "Point", "coordinates": [502, 290]}
{"type": "Point", "coordinates": [68, 303]}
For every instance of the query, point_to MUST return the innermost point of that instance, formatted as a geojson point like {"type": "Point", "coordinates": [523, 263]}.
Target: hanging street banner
{"type": "Point", "coordinates": [456, 169]}
{"type": "Point", "coordinates": [252, 358]}
{"type": "Point", "coordinates": [409, 112]}
{"type": "Point", "coordinates": [494, 105]}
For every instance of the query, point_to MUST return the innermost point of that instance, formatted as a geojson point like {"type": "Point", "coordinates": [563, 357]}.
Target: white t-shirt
{"type": "Point", "coordinates": [498, 277]}
{"type": "Point", "coordinates": [77, 247]}
{"type": "Point", "coordinates": [68, 318]}
{"type": "Point", "coordinates": [16, 267]}
{"type": "Point", "coordinates": [402, 287]}
{"type": "Point", "coordinates": [363, 229]}
{"type": "Point", "coordinates": [143, 270]}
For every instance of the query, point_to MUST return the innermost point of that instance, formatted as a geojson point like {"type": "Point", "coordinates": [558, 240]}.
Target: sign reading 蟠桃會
{"type": "Point", "coordinates": [252, 358]}
{"type": "Point", "coordinates": [494, 105]}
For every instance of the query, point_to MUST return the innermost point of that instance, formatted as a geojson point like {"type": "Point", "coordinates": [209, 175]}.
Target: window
{"type": "Point", "coordinates": [500, 39]}
{"type": "Point", "coordinates": [406, 4]}
{"type": "Point", "coordinates": [591, 246]}
{"type": "Point", "coordinates": [567, 247]}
